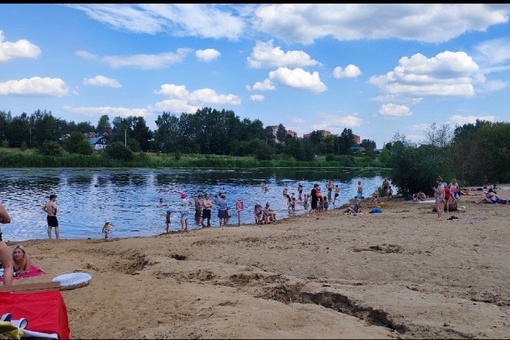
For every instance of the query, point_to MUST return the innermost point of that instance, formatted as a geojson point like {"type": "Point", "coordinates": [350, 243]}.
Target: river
{"type": "Point", "coordinates": [130, 198]}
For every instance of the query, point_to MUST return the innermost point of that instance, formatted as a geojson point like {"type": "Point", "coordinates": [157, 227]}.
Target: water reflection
{"type": "Point", "coordinates": [130, 198]}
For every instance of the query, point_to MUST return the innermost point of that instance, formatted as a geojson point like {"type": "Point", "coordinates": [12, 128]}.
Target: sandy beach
{"type": "Point", "coordinates": [398, 274]}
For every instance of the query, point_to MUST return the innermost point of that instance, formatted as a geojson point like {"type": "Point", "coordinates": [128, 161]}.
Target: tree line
{"type": "Point", "coordinates": [208, 131]}
{"type": "Point", "coordinates": [474, 154]}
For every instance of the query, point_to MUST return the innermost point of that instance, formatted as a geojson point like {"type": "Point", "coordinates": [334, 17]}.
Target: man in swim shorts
{"type": "Point", "coordinates": [51, 210]}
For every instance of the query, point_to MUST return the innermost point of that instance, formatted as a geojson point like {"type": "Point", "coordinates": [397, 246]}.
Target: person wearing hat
{"type": "Point", "coordinates": [51, 210]}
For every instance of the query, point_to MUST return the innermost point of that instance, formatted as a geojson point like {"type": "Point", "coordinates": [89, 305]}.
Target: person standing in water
{"type": "Point", "coordinates": [51, 216]}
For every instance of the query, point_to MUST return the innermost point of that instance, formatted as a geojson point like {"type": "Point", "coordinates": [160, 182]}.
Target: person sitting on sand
{"type": "Point", "coordinates": [490, 197]}
{"type": "Point", "coordinates": [21, 261]}
{"type": "Point", "coordinates": [269, 214]}
{"type": "Point", "coordinates": [375, 196]}
{"type": "Point", "coordinates": [420, 196]}
{"type": "Point", "coordinates": [355, 208]}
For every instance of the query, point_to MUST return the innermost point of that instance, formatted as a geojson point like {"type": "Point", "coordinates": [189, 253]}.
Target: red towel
{"type": "Point", "coordinates": [34, 271]}
{"type": "Point", "coordinates": [45, 311]}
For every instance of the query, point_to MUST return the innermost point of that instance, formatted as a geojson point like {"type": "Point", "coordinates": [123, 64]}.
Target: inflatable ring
{"type": "Point", "coordinates": [73, 280]}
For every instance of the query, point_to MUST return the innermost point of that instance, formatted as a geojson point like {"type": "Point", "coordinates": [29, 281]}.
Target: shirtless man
{"type": "Point", "coordinates": [51, 210]}
{"type": "Point", "coordinates": [206, 212]}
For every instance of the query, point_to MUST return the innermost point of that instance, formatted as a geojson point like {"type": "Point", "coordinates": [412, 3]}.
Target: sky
{"type": "Point", "coordinates": [380, 70]}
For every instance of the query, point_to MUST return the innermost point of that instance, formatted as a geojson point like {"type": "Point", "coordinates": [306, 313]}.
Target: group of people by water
{"type": "Point", "coordinates": [314, 202]}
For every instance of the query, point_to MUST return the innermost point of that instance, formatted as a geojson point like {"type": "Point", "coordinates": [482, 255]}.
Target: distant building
{"type": "Point", "coordinates": [98, 142]}
{"type": "Point", "coordinates": [356, 139]}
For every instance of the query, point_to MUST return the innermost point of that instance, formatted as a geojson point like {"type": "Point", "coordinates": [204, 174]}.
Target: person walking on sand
{"type": "Point", "coordinates": [51, 216]}
{"type": "Point", "coordinates": [439, 197]}
{"type": "Point", "coordinates": [5, 253]}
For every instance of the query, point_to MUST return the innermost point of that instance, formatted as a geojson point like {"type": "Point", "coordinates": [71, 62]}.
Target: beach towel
{"type": "Point", "coordinates": [37, 314]}
{"type": "Point", "coordinates": [34, 271]}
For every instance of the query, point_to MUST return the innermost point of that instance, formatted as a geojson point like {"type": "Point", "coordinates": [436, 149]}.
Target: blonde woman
{"type": "Point", "coordinates": [21, 261]}
{"type": "Point", "coordinates": [5, 254]}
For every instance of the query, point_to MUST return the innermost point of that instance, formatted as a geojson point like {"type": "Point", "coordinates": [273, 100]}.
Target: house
{"type": "Point", "coordinates": [97, 142]}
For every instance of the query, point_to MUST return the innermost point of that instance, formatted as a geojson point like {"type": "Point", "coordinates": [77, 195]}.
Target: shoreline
{"type": "Point", "coordinates": [398, 274]}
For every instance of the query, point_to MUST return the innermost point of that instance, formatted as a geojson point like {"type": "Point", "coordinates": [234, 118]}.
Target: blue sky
{"type": "Point", "coordinates": [377, 69]}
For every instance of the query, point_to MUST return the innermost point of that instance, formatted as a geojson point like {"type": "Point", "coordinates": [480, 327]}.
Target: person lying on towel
{"type": "Point", "coordinates": [21, 259]}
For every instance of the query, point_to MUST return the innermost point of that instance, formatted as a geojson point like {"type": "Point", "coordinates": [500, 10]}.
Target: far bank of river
{"type": "Point", "coordinates": [130, 198]}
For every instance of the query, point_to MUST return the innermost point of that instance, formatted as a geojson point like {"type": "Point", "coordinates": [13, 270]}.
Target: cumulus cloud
{"type": "Point", "coordinates": [142, 61]}
{"type": "Point", "coordinates": [35, 86]}
{"type": "Point", "coordinates": [297, 78]}
{"type": "Point", "coordinates": [265, 85]}
{"type": "Point", "coordinates": [207, 54]}
{"type": "Point", "coordinates": [394, 110]}
{"type": "Point", "coordinates": [264, 54]}
{"type": "Point", "coordinates": [446, 74]}
{"type": "Point", "coordinates": [19, 49]}
{"type": "Point", "coordinates": [179, 99]}
{"type": "Point", "coordinates": [350, 71]}
{"type": "Point", "coordinates": [100, 80]}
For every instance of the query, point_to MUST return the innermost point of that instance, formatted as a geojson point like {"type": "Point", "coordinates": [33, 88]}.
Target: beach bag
{"type": "Point", "coordinates": [376, 211]}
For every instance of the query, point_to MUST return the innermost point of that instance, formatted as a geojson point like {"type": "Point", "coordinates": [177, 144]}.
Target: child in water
{"type": "Point", "coordinates": [106, 230]}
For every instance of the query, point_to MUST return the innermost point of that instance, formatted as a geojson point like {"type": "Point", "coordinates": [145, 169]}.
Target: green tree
{"type": "Point", "coordinates": [71, 143]}
{"type": "Point", "coordinates": [117, 150]}
{"type": "Point", "coordinates": [103, 125]}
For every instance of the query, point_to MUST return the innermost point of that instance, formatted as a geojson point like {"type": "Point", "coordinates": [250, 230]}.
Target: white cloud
{"type": "Point", "coordinates": [394, 110]}
{"type": "Point", "coordinates": [264, 54]}
{"type": "Point", "coordinates": [257, 97]}
{"type": "Point", "coordinates": [446, 74]}
{"type": "Point", "coordinates": [265, 85]}
{"type": "Point", "coordinates": [182, 100]}
{"type": "Point", "coordinates": [207, 54]}
{"type": "Point", "coordinates": [350, 71]}
{"type": "Point", "coordinates": [297, 78]}
{"type": "Point", "coordinates": [142, 61]}
{"type": "Point", "coordinates": [495, 51]}
{"type": "Point", "coordinates": [100, 80]}
{"type": "Point", "coordinates": [19, 49]}
{"type": "Point", "coordinates": [35, 86]}
{"type": "Point", "coordinates": [97, 112]}
{"type": "Point", "coordinates": [461, 120]}
{"type": "Point", "coordinates": [203, 21]}
{"type": "Point", "coordinates": [432, 23]}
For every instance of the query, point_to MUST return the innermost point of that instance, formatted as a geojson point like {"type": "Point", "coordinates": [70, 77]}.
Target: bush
{"type": "Point", "coordinates": [118, 151]}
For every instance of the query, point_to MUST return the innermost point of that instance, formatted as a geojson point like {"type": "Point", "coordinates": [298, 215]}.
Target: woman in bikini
{"type": "Point", "coordinates": [21, 261]}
